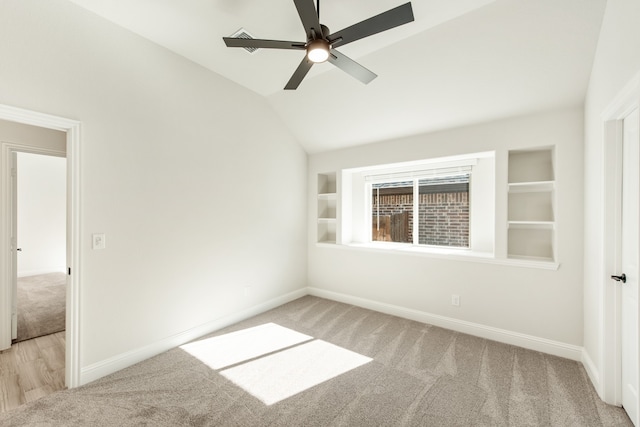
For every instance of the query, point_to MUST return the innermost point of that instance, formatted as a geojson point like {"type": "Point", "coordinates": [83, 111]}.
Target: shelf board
{"type": "Point", "coordinates": [530, 258]}
{"type": "Point", "coordinates": [532, 187]}
{"type": "Point", "coordinates": [327, 196]}
{"type": "Point", "coordinates": [533, 225]}
{"type": "Point", "coordinates": [326, 242]}
{"type": "Point", "coordinates": [326, 220]}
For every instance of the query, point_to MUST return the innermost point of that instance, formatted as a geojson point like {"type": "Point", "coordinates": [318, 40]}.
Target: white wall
{"type": "Point", "coordinates": [616, 62]}
{"type": "Point", "coordinates": [183, 170]}
{"type": "Point", "coordinates": [535, 302]}
{"type": "Point", "coordinates": [42, 214]}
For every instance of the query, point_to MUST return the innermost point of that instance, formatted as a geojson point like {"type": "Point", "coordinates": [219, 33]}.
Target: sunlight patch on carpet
{"type": "Point", "coordinates": [281, 375]}
{"type": "Point", "coordinates": [235, 347]}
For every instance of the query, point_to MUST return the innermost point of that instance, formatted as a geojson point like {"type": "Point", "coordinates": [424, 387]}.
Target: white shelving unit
{"type": "Point", "coordinates": [327, 207]}
{"type": "Point", "coordinates": [531, 211]}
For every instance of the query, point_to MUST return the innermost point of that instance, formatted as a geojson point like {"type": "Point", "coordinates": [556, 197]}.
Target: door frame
{"type": "Point", "coordinates": [610, 377]}
{"type": "Point", "coordinates": [73, 131]}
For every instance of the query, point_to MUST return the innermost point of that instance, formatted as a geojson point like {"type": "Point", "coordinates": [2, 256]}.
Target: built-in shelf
{"type": "Point", "coordinates": [539, 225]}
{"type": "Point", "coordinates": [327, 196]}
{"type": "Point", "coordinates": [533, 165]}
{"type": "Point", "coordinates": [532, 258]}
{"type": "Point", "coordinates": [327, 242]}
{"type": "Point", "coordinates": [327, 232]}
{"type": "Point", "coordinates": [326, 220]}
{"type": "Point", "coordinates": [531, 209]}
{"type": "Point", "coordinates": [327, 208]}
{"type": "Point", "coordinates": [327, 183]}
{"type": "Point", "coordinates": [531, 187]}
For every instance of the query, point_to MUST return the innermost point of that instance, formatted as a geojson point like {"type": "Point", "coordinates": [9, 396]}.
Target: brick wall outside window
{"type": "Point", "coordinates": [444, 217]}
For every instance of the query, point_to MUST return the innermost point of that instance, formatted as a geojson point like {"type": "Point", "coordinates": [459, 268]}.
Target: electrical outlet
{"type": "Point", "coordinates": [455, 300]}
{"type": "Point", "coordinates": [98, 241]}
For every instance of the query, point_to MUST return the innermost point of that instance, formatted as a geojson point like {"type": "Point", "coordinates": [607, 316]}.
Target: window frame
{"type": "Point", "coordinates": [415, 179]}
{"type": "Point", "coordinates": [354, 222]}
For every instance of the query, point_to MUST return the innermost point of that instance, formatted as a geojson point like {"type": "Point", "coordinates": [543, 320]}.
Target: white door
{"type": "Point", "coordinates": [630, 261]}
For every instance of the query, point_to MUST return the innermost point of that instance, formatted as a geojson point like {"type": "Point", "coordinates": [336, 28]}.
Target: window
{"type": "Point", "coordinates": [392, 208]}
{"type": "Point", "coordinates": [440, 205]}
{"type": "Point", "coordinates": [444, 211]}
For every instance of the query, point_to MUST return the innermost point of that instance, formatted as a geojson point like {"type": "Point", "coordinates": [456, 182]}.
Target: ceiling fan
{"type": "Point", "coordinates": [320, 44]}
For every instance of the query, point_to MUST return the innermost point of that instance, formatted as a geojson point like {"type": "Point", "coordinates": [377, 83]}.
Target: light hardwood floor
{"type": "Point", "coordinates": [31, 369]}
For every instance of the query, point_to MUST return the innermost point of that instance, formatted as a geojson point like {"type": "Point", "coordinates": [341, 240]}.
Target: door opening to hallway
{"type": "Point", "coordinates": [40, 288]}
{"type": "Point", "coordinates": [34, 235]}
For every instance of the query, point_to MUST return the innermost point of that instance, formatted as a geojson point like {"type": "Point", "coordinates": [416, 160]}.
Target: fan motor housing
{"type": "Point", "coordinates": [325, 31]}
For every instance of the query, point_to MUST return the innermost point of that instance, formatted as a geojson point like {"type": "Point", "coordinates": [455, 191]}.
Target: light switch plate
{"type": "Point", "coordinates": [99, 241]}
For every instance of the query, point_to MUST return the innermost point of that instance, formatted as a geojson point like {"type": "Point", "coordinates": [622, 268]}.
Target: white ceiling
{"type": "Point", "coordinates": [460, 62]}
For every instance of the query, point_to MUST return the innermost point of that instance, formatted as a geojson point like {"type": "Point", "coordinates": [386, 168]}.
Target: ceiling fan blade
{"type": "Point", "coordinates": [309, 17]}
{"type": "Point", "coordinates": [299, 74]}
{"type": "Point", "coordinates": [351, 67]}
{"type": "Point", "coordinates": [377, 24]}
{"type": "Point", "coordinates": [262, 44]}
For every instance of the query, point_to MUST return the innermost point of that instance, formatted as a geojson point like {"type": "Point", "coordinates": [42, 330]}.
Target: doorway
{"type": "Point", "coordinates": [40, 231]}
{"type": "Point", "coordinates": [7, 146]}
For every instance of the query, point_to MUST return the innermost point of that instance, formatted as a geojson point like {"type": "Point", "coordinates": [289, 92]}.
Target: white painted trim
{"type": "Point", "coordinates": [6, 260]}
{"type": "Point", "coordinates": [74, 233]}
{"type": "Point", "coordinates": [33, 118]}
{"type": "Point", "coordinates": [442, 253]}
{"type": "Point", "coordinates": [73, 130]}
{"type": "Point", "coordinates": [113, 364]}
{"type": "Point", "coordinates": [531, 342]}
{"type": "Point", "coordinates": [591, 368]}
{"type": "Point", "coordinates": [610, 379]}
{"type": "Point", "coordinates": [624, 102]}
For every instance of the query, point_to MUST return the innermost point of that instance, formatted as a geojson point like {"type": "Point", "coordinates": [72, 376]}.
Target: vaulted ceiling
{"type": "Point", "coordinates": [460, 62]}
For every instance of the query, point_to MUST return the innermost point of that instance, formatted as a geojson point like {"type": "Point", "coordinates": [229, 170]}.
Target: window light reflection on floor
{"type": "Point", "coordinates": [288, 365]}
{"type": "Point", "coordinates": [286, 373]}
{"type": "Point", "coordinates": [235, 347]}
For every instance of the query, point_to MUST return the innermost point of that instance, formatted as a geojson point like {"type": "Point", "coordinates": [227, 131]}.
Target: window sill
{"type": "Point", "coordinates": [443, 253]}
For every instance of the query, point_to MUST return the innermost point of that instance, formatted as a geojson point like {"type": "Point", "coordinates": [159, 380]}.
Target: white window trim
{"type": "Point", "coordinates": [442, 253]}
{"type": "Point", "coordinates": [356, 219]}
{"type": "Point", "coordinates": [354, 224]}
{"type": "Point", "coordinates": [415, 231]}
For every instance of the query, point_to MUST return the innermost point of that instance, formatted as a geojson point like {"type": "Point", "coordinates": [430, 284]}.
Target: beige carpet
{"type": "Point", "coordinates": [331, 364]}
{"type": "Point", "coordinates": [41, 305]}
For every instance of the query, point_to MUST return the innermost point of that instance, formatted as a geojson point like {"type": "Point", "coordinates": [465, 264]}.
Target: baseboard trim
{"type": "Point", "coordinates": [543, 345]}
{"type": "Point", "coordinates": [113, 364]}
{"type": "Point", "coordinates": [592, 372]}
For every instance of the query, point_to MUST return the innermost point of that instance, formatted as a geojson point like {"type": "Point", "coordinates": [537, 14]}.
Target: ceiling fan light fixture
{"type": "Point", "coordinates": [318, 51]}
{"type": "Point", "coordinates": [320, 43]}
